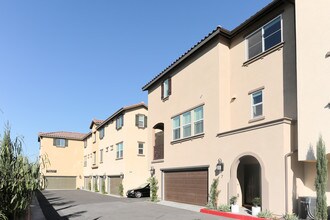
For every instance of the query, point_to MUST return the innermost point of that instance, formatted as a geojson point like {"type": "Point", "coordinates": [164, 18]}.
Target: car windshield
{"type": "Point", "coordinates": [143, 185]}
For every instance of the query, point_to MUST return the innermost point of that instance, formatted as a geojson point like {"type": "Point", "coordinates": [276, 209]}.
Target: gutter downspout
{"type": "Point", "coordinates": [286, 178]}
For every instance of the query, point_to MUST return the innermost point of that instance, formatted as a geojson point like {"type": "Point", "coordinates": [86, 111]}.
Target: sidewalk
{"type": "Point", "coordinates": [36, 212]}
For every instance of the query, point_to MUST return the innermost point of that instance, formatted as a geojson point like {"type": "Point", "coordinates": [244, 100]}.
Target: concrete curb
{"type": "Point", "coordinates": [36, 212]}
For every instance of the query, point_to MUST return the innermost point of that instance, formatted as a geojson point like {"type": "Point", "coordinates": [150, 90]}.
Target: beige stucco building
{"type": "Point", "coordinates": [115, 151]}
{"type": "Point", "coordinates": [61, 156]}
{"type": "Point", "coordinates": [252, 100]}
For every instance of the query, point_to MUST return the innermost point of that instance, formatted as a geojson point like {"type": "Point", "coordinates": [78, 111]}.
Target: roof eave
{"type": "Point", "coordinates": [219, 30]}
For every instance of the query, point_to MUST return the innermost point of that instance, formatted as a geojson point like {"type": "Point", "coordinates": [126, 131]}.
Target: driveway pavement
{"type": "Point", "coordinates": [79, 204]}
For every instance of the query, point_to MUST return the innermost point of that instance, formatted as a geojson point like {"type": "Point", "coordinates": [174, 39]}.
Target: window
{"type": "Point", "coordinates": [141, 121]}
{"type": "Point", "coordinates": [186, 124]}
{"type": "Point", "coordinates": [193, 117]}
{"type": "Point", "coordinates": [101, 156]}
{"type": "Point", "coordinates": [94, 134]}
{"type": "Point", "coordinates": [166, 88]}
{"type": "Point", "coordinates": [85, 143]}
{"type": "Point", "coordinates": [60, 142]}
{"type": "Point", "coordinates": [176, 128]}
{"type": "Point", "coordinates": [256, 104]}
{"type": "Point", "coordinates": [119, 122]}
{"type": "Point", "coordinates": [140, 148]}
{"type": "Point", "coordinates": [85, 161]}
{"type": "Point", "coordinates": [120, 150]}
{"type": "Point", "coordinates": [199, 120]}
{"type": "Point", "coordinates": [94, 157]}
{"type": "Point", "coordinates": [101, 133]}
{"type": "Point", "coordinates": [264, 38]}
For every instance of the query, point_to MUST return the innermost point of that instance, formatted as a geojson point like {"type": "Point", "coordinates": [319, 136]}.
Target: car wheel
{"type": "Point", "coordinates": [138, 194]}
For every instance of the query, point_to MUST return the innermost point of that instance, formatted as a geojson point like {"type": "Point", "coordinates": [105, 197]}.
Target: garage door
{"type": "Point", "coordinates": [187, 186]}
{"type": "Point", "coordinates": [60, 182]}
{"type": "Point", "coordinates": [114, 185]}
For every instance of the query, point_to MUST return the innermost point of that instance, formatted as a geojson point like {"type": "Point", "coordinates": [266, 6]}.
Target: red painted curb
{"type": "Point", "coordinates": [230, 215]}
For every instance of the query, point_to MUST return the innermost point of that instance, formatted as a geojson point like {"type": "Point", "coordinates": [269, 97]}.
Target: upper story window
{"type": "Point", "coordinates": [85, 143]}
{"type": "Point", "coordinates": [166, 88]}
{"type": "Point", "coordinates": [119, 122]}
{"type": "Point", "coordinates": [256, 104]}
{"type": "Point", "coordinates": [140, 148]}
{"type": "Point", "coordinates": [120, 150]}
{"type": "Point", "coordinates": [60, 142]}
{"type": "Point", "coordinates": [101, 156]}
{"type": "Point", "coordinates": [85, 161]}
{"type": "Point", "coordinates": [264, 38]}
{"type": "Point", "coordinates": [94, 137]}
{"type": "Point", "coordinates": [101, 133]}
{"type": "Point", "coordinates": [192, 123]}
{"type": "Point", "coordinates": [141, 121]}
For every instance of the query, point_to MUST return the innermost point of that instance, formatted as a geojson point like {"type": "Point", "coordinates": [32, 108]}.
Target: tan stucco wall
{"type": "Point", "coordinates": [67, 161]}
{"type": "Point", "coordinates": [134, 167]}
{"type": "Point", "coordinates": [212, 78]}
{"type": "Point", "coordinates": [313, 77]}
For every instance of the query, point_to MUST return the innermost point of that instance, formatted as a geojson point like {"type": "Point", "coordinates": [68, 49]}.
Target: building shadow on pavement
{"type": "Point", "coordinates": [49, 211]}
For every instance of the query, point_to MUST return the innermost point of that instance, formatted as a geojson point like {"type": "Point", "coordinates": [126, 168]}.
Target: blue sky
{"type": "Point", "coordinates": [63, 63]}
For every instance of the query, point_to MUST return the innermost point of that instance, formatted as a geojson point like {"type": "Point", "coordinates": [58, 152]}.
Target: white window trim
{"type": "Point", "coordinates": [118, 156]}
{"type": "Point", "coordinates": [262, 37]}
{"type": "Point", "coordinates": [192, 124]}
{"type": "Point", "coordinates": [254, 105]}
{"type": "Point", "coordinates": [139, 148]}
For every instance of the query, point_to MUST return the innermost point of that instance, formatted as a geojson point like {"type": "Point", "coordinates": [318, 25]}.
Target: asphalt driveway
{"type": "Point", "coordinates": [79, 204]}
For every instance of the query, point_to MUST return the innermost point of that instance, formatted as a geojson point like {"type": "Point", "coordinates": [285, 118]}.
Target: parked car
{"type": "Point", "coordinates": [141, 191]}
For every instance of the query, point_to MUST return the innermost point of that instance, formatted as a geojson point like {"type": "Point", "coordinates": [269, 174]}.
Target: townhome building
{"type": "Point", "coordinates": [115, 151]}
{"type": "Point", "coordinates": [245, 106]}
{"type": "Point", "coordinates": [61, 159]}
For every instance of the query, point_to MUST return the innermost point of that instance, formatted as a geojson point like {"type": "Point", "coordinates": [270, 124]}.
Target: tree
{"type": "Point", "coordinates": [214, 193]}
{"type": "Point", "coordinates": [321, 181]}
{"type": "Point", "coordinates": [18, 178]}
{"type": "Point", "coordinates": [153, 188]}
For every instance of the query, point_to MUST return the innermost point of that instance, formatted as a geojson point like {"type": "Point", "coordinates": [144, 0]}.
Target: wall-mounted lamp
{"type": "Point", "coordinates": [121, 175]}
{"type": "Point", "coordinates": [152, 171]}
{"type": "Point", "coordinates": [327, 55]}
{"type": "Point", "coordinates": [220, 166]}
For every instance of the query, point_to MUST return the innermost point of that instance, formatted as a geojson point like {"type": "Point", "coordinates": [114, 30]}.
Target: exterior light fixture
{"type": "Point", "coordinates": [220, 166]}
{"type": "Point", "coordinates": [121, 175]}
{"type": "Point", "coordinates": [152, 171]}
{"type": "Point", "coordinates": [327, 55]}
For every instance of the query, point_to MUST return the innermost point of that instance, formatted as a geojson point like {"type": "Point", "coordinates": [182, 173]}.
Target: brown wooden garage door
{"type": "Point", "coordinates": [187, 186]}
{"type": "Point", "coordinates": [114, 185]}
{"type": "Point", "coordinates": [60, 182]}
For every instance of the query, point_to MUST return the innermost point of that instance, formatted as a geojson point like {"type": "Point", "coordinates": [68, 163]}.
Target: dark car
{"type": "Point", "coordinates": [141, 191]}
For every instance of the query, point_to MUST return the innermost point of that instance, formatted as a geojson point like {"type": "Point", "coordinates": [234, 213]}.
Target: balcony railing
{"type": "Point", "coordinates": [158, 152]}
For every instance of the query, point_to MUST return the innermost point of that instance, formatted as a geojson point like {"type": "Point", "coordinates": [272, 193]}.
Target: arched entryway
{"type": "Point", "coordinates": [249, 178]}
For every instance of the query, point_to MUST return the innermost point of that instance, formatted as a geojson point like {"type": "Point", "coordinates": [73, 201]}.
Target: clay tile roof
{"type": "Point", "coordinates": [121, 110]}
{"type": "Point", "coordinates": [63, 134]}
{"type": "Point", "coordinates": [96, 122]}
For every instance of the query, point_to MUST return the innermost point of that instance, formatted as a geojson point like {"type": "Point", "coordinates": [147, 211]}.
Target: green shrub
{"type": "Point", "coordinates": [18, 178]}
{"type": "Point", "coordinates": [121, 189]}
{"type": "Point", "coordinates": [224, 208]}
{"type": "Point", "coordinates": [256, 201]}
{"type": "Point", "coordinates": [265, 214]}
{"type": "Point", "coordinates": [153, 188]}
{"type": "Point", "coordinates": [214, 193]}
{"type": "Point", "coordinates": [321, 181]}
{"type": "Point", "coordinates": [233, 200]}
{"type": "Point", "coordinates": [290, 216]}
